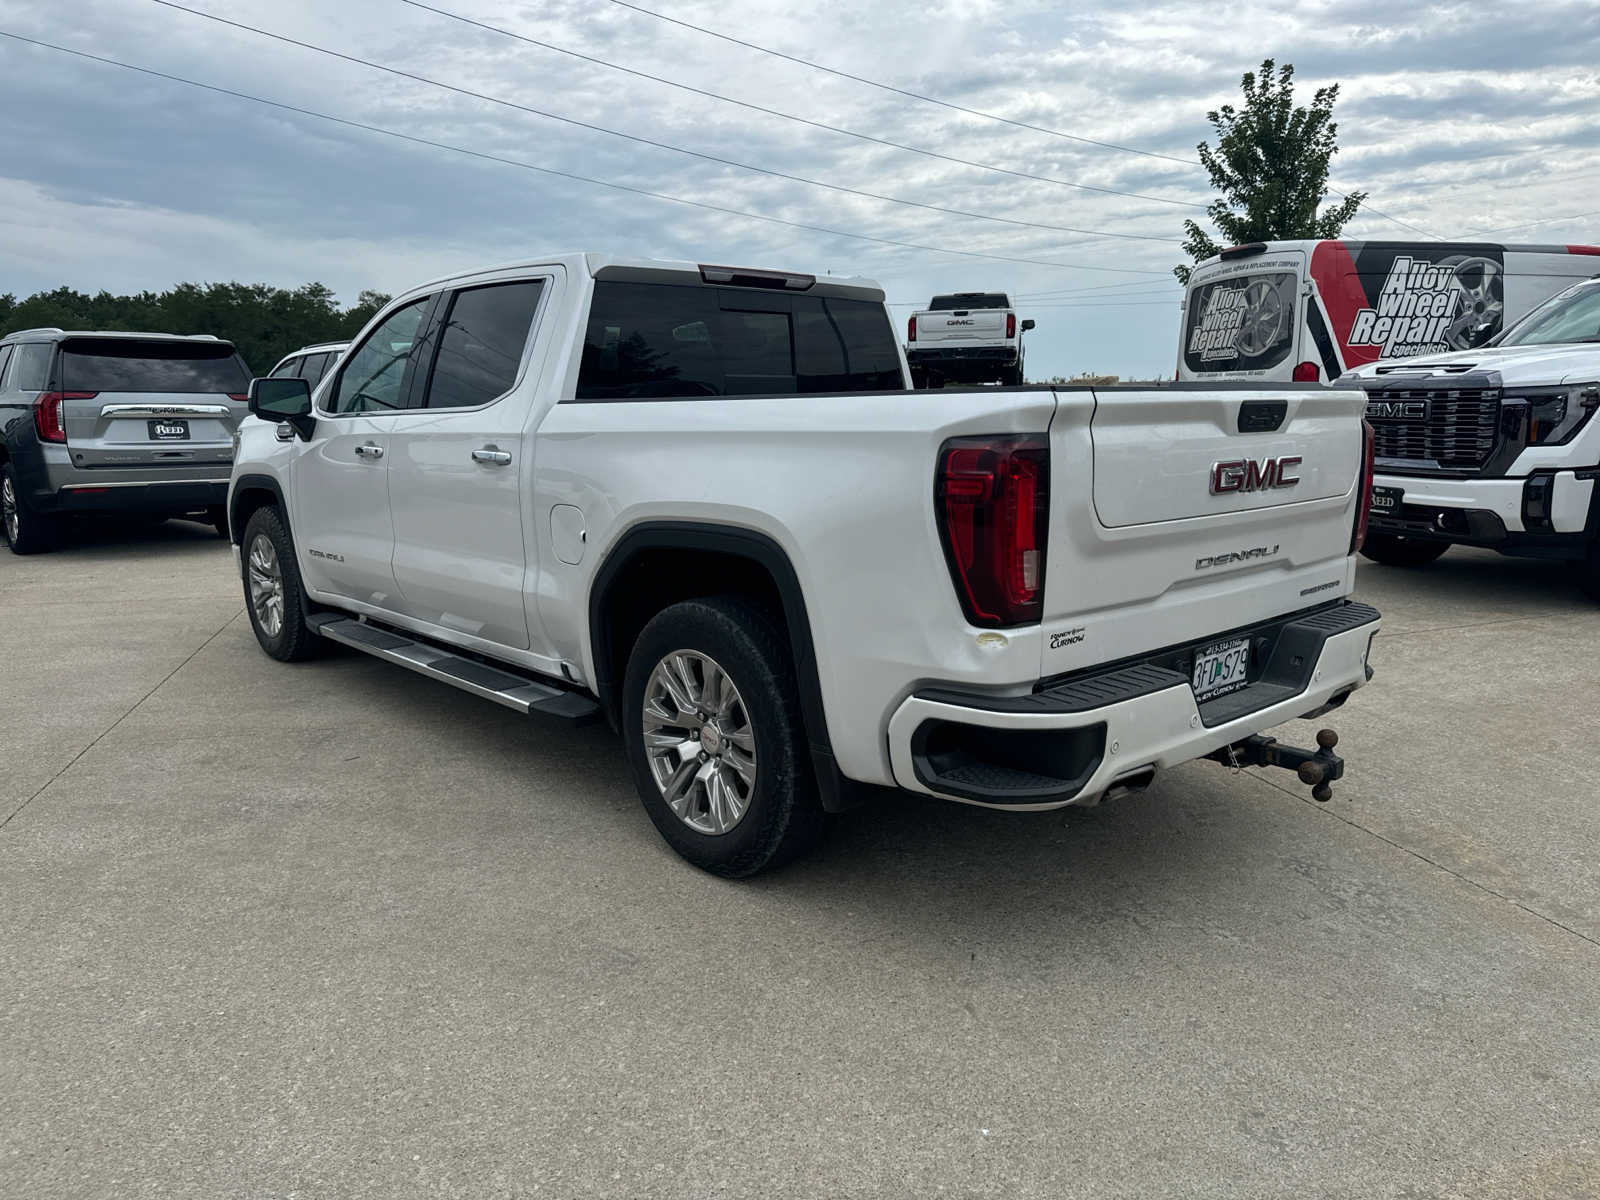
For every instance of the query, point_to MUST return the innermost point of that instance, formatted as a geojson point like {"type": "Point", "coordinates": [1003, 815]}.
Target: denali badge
{"type": "Point", "coordinates": [1247, 475]}
{"type": "Point", "coordinates": [1236, 556]}
{"type": "Point", "coordinates": [1397, 410]}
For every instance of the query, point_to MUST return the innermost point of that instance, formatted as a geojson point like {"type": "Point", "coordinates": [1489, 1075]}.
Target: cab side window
{"type": "Point", "coordinates": [481, 343]}
{"type": "Point", "coordinates": [313, 366]}
{"type": "Point", "coordinates": [374, 376]}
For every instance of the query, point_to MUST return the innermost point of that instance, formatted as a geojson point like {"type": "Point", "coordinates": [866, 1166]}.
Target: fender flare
{"type": "Point", "coordinates": [770, 556]}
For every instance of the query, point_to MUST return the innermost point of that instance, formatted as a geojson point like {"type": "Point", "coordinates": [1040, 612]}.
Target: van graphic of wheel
{"type": "Point", "coordinates": [1262, 321]}
{"type": "Point", "coordinates": [1483, 300]}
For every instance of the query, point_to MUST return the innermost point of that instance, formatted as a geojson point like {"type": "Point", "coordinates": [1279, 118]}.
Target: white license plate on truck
{"type": "Point", "coordinates": [1221, 667]}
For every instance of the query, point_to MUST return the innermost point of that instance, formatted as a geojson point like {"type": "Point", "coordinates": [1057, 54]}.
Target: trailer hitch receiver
{"type": "Point", "coordinates": [1316, 768]}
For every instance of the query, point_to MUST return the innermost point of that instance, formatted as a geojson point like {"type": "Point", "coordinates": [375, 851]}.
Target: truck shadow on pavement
{"type": "Point", "coordinates": [1476, 581]}
{"type": "Point", "coordinates": [114, 537]}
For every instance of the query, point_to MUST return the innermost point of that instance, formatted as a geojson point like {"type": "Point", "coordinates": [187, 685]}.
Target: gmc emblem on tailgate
{"type": "Point", "coordinates": [1248, 475]}
{"type": "Point", "coordinates": [1397, 410]}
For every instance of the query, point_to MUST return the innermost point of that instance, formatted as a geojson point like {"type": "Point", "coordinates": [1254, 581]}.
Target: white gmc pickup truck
{"type": "Point", "coordinates": [700, 502]}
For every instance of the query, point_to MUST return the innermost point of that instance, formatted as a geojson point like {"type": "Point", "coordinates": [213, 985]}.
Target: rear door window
{"type": "Point", "coordinates": [647, 340]}
{"type": "Point", "coordinates": [128, 365]}
{"type": "Point", "coordinates": [289, 368]}
{"type": "Point", "coordinates": [313, 367]}
{"type": "Point", "coordinates": [5, 361]}
{"type": "Point", "coordinates": [480, 348]}
{"type": "Point", "coordinates": [1241, 323]}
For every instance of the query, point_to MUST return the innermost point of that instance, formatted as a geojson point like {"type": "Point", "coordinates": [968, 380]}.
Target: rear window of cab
{"type": "Point", "coordinates": [657, 340]}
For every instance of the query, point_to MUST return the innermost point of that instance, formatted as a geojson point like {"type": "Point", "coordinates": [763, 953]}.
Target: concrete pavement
{"type": "Point", "coordinates": [335, 930]}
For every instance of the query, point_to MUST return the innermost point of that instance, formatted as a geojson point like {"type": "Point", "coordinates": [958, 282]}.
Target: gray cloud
{"type": "Point", "coordinates": [127, 182]}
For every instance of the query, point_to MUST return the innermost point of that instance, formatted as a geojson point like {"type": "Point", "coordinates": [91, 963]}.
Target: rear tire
{"type": "Point", "coordinates": [1011, 377]}
{"type": "Point", "coordinates": [711, 719]}
{"type": "Point", "coordinates": [26, 531]}
{"type": "Point", "coordinates": [273, 593]}
{"type": "Point", "coordinates": [1394, 551]}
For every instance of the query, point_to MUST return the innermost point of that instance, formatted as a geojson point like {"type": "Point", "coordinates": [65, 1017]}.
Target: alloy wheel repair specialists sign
{"type": "Point", "coordinates": [1404, 300]}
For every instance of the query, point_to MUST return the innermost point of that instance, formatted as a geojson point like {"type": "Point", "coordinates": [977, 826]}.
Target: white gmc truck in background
{"type": "Point", "coordinates": [699, 501]}
{"type": "Point", "coordinates": [966, 337]}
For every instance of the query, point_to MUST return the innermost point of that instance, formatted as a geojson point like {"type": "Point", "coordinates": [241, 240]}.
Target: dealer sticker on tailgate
{"type": "Point", "coordinates": [1221, 667]}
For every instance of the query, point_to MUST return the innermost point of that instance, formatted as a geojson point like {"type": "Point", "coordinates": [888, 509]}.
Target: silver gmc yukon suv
{"type": "Point", "coordinates": [114, 423]}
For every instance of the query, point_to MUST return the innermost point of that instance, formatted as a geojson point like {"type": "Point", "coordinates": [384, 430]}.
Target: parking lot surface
{"type": "Point", "coordinates": [336, 930]}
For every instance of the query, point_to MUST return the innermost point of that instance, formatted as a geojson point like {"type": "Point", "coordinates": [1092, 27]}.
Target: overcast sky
{"type": "Point", "coordinates": [1459, 119]}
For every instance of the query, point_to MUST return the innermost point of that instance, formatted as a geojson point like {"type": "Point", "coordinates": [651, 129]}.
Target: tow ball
{"type": "Point", "coordinates": [1316, 768]}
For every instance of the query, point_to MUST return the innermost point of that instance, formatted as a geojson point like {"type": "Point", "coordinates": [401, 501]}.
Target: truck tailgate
{"type": "Point", "coordinates": [1177, 514]}
{"type": "Point", "coordinates": [974, 325]}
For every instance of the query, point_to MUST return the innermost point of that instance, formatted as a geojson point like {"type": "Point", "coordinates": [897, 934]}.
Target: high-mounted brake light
{"type": "Point", "coordinates": [1011, 325]}
{"type": "Point", "coordinates": [1243, 251]}
{"type": "Point", "coordinates": [992, 496]}
{"type": "Point", "coordinates": [1363, 490]}
{"type": "Point", "coordinates": [47, 414]}
{"type": "Point", "coordinates": [747, 277]}
{"type": "Point", "coordinates": [911, 329]}
{"type": "Point", "coordinates": [1307, 372]}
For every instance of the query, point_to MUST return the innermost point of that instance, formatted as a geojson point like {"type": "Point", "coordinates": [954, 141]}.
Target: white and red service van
{"type": "Point", "coordinates": [1312, 310]}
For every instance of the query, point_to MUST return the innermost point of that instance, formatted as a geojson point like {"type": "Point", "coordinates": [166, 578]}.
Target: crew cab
{"type": "Point", "coordinates": [699, 502]}
{"type": "Point", "coordinates": [1493, 447]}
{"type": "Point", "coordinates": [113, 422]}
{"type": "Point", "coordinates": [966, 337]}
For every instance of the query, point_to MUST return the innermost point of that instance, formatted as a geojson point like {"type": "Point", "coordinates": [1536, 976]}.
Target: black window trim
{"type": "Point", "coordinates": [417, 402]}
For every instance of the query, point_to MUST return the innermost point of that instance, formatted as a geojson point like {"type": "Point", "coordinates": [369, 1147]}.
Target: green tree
{"type": "Point", "coordinates": [1270, 167]}
{"type": "Point", "coordinates": [264, 322]}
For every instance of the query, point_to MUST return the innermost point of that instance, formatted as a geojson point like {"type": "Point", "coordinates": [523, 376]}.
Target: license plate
{"type": "Point", "coordinates": [1221, 667]}
{"type": "Point", "coordinates": [1386, 499]}
{"type": "Point", "coordinates": [169, 431]}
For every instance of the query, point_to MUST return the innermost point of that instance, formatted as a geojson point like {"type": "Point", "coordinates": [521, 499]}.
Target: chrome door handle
{"type": "Point", "coordinates": [370, 450]}
{"type": "Point", "coordinates": [492, 455]}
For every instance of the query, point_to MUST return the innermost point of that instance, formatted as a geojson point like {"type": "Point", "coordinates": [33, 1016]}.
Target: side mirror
{"type": "Point", "coordinates": [1027, 325]}
{"type": "Point", "coordinates": [283, 400]}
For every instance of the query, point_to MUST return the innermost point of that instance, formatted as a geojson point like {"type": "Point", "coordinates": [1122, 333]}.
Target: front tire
{"type": "Point", "coordinates": [273, 593]}
{"type": "Point", "coordinates": [26, 531]}
{"type": "Point", "coordinates": [711, 721]}
{"type": "Point", "coordinates": [1394, 551]}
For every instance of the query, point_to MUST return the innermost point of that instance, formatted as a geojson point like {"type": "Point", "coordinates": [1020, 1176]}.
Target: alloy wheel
{"type": "Point", "coordinates": [266, 585]}
{"type": "Point", "coordinates": [699, 742]}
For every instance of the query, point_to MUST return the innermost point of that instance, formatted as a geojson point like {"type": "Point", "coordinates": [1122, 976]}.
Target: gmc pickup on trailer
{"type": "Point", "coordinates": [700, 502]}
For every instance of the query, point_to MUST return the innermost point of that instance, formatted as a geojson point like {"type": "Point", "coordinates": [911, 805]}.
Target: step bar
{"type": "Point", "coordinates": [521, 692]}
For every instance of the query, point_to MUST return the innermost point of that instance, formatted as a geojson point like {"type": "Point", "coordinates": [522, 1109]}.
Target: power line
{"type": "Point", "coordinates": [889, 87]}
{"type": "Point", "coordinates": [971, 112]}
{"type": "Point", "coordinates": [1531, 224]}
{"type": "Point", "coordinates": [644, 141]}
{"type": "Point", "coordinates": [527, 166]}
{"type": "Point", "coordinates": [773, 112]}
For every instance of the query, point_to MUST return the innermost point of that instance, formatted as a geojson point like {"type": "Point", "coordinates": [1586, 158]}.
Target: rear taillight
{"type": "Point", "coordinates": [1363, 489]}
{"type": "Point", "coordinates": [1011, 325]}
{"type": "Point", "coordinates": [241, 397]}
{"type": "Point", "coordinates": [911, 330]}
{"type": "Point", "coordinates": [992, 495]}
{"type": "Point", "coordinates": [1307, 372]}
{"type": "Point", "coordinates": [47, 414]}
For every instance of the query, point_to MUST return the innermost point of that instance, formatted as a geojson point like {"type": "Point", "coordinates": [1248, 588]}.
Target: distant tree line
{"type": "Point", "coordinates": [264, 322]}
